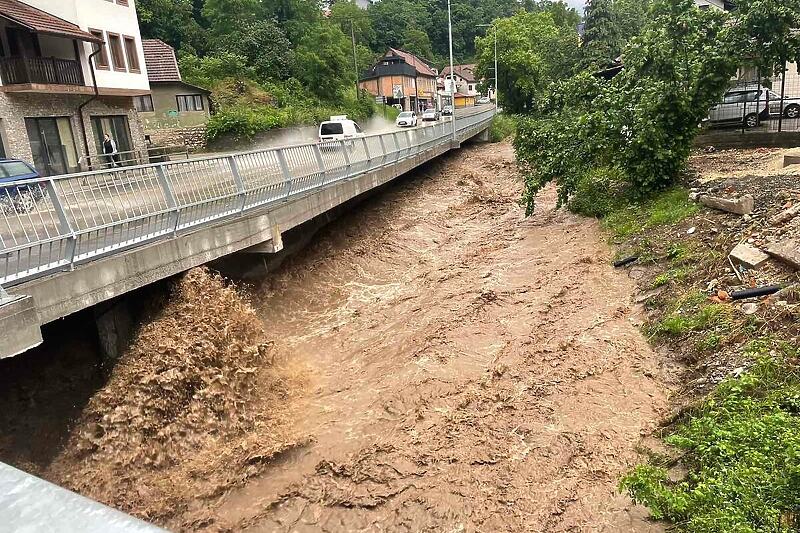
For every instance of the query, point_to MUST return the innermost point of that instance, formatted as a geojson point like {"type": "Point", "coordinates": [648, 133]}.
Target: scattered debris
{"type": "Point", "coordinates": [750, 308]}
{"type": "Point", "coordinates": [787, 251]}
{"type": "Point", "coordinates": [636, 273]}
{"type": "Point", "coordinates": [749, 256]}
{"type": "Point", "coordinates": [786, 215]}
{"type": "Point", "coordinates": [739, 206]}
{"type": "Point", "coordinates": [789, 294]}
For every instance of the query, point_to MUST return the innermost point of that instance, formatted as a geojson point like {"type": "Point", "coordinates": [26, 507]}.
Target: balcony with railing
{"type": "Point", "coordinates": [40, 71]}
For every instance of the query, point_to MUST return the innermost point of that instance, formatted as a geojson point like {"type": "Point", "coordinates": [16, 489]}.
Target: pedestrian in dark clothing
{"type": "Point", "coordinates": [110, 150]}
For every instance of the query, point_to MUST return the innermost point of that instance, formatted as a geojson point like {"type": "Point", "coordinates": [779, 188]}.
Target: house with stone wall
{"type": "Point", "coordinates": [175, 112]}
{"type": "Point", "coordinates": [69, 73]}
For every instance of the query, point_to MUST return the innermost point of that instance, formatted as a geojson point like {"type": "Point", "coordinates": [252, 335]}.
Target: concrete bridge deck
{"type": "Point", "coordinates": [86, 238]}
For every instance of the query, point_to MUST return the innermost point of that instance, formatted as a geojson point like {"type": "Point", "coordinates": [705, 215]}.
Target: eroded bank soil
{"type": "Point", "coordinates": [472, 370]}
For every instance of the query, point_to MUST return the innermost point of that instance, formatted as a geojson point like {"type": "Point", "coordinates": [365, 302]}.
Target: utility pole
{"type": "Point", "coordinates": [452, 70]}
{"type": "Point", "coordinates": [355, 56]}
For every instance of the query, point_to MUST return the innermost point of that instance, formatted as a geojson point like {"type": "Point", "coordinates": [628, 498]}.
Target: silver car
{"type": "Point", "coordinates": [746, 105]}
{"type": "Point", "coordinates": [750, 104]}
{"type": "Point", "coordinates": [791, 105]}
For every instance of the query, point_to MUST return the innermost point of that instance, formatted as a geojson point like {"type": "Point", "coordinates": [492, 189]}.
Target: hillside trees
{"type": "Point", "coordinates": [533, 52]}
{"type": "Point", "coordinates": [602, 41]}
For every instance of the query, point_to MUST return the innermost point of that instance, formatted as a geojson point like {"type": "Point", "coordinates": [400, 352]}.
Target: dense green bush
{"type": "Point", "coordinates": [743, 450]}
{"type": "Point", "coordinates": [503, 127]}
{"type": "Point", "coordinates": [642, 121]}
{"type": "Point", "coordinates": [260, 109]}
{"type": "Point", "coordinates": [599, 193]}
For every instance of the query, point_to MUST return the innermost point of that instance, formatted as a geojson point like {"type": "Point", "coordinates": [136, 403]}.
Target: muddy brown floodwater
{"type": "Point", "coordinates": [471, 369]}
{"type": "Point", "coordinates": [433, 361]}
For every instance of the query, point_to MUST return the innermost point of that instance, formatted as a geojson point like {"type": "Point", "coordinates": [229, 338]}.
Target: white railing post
{"type": "Point", "coordinates": [285, 171]}
{"type": "Point", "coordinates": [396, 146]}
{"type": "Point", "coordinates": [383, 150]}
{"type": "Point", "coordinates": [237, 178]}
{"type": "Point", "coordinates": [169, 196]}
{"type": "Point", "coordinates": [63, 224]}
{"type": "Point", "coordinates": [322, 171]}
{"type": "Point", "coordinates": [346, 160]}
{"type": "Point", "coordinates": [366, 151]}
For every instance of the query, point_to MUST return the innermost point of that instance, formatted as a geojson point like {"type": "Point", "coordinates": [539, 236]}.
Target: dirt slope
{"type": "Point", "coordinates": [473, 370]}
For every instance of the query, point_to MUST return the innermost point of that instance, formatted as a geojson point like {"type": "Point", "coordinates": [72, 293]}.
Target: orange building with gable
{"type": "Point", "coordinates": [401, 78]}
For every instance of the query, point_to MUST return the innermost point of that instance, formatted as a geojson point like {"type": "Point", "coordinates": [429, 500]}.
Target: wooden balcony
{"type": "Point", "coordinates": [32, 72]}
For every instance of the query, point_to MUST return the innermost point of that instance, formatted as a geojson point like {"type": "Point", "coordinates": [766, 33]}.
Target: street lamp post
{"type": "Point", "coordinates": [452, 70]}
{"type": "Point", "coordinates": [496, 73]}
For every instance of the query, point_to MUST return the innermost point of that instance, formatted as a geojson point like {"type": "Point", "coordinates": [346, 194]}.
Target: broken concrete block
{"type": "Point", "coordinates": [785, 216]}
{"type": "Point", "coordinates": [739, 206]}
{"type": "Point", "coordinates": [749, 256]}
{"type": "Point", "coordinates": [787, 251]}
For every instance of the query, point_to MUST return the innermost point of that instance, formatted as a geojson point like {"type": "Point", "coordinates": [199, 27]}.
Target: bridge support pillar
{"type": "Point", "coordinates": [19, 324]}
{"type": "Point", "coordinates": [272, 246]}
{"type": "Point", "coordinates": [482, 137]}
{"type": "Point", "coordinates": [115, 328]}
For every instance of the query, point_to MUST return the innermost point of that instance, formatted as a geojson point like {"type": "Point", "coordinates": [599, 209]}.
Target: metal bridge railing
{"type": "Point", "coordinates": [51, 224]}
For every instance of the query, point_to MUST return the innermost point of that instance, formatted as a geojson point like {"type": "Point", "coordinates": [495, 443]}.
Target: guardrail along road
{"type": "Point", "coordinates": [70, 242]}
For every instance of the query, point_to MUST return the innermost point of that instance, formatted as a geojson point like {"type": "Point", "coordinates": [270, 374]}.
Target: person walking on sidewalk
{"type": "Point", "coordinates": [110, 150]}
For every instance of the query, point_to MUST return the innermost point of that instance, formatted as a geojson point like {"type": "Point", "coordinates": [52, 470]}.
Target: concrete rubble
{"type": "Point", "coordinates": [786, 215]}
{"type": "Point", "coordinates": [748, 256]}
{"type": "Point", "coordinates": [787, 251]}
{"type": "Point", "coordinates": [743, 205]}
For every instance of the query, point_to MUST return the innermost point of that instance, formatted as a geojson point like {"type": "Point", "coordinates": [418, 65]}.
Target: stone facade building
{"type": "Point", "coordinates": [55, 103]}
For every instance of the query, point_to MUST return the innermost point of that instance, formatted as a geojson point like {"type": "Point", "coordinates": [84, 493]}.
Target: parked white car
{"type": "Point", "coordinates": [483, 100]}
{"type": "Point", "coordinates": [339, 128]}
{"type": "Point", "coordinates": [447, 111]}
{"type": "Point", "coordinates": [407, 119]}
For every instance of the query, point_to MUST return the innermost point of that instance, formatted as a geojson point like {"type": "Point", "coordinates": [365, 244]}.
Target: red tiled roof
{"type": "Point", "coordinates": [421, 66]}
{"type": "Point", "coordinates": [40, 21]}
{"type": "Point", "coordinates": [465, 71]}
{"type": "Point", "coordinates": [159, 57]}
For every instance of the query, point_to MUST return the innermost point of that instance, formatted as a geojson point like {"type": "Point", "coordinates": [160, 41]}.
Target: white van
{"type": "Point", "coordinates": [339, 128]}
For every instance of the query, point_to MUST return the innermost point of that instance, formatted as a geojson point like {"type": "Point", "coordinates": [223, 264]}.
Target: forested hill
{"type": "Point", "coordinates": [274, 37]}
{"type": "Point", "coordinates": [272, 63]}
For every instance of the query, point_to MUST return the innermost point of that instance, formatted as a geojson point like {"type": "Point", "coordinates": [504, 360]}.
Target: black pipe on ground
{"type": "Point", "coordinates": [755, 293]}
{"type": "Point", "coordinates": [625, 262]}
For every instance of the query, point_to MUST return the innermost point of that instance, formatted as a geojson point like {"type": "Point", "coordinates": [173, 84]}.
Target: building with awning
{"type": "Point", "coordinates": [55, 104]}
{"type": "Point", "coordinates": [401, 78]}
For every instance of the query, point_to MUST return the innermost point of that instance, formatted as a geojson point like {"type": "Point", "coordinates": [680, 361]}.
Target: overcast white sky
{"type": "Point", "coordinates": [577, 4]}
